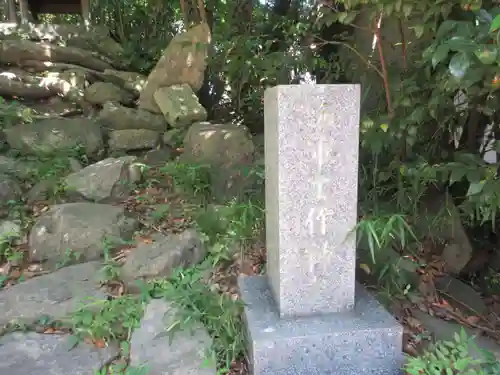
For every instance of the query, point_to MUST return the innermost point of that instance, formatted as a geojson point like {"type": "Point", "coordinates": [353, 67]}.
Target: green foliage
{"type": "Point", "coordinates": [51, 168]}
{"type": "Point", "coordinates": [453, 357]}
{"type": "Point", "coordinates": [7, 250]}
{"type": "Point", "coordinates": [229, 227]}
{"type": "Point", "coordinates": [106, 319]}
{"type": "Point", "coordinates": [70, 257]}
{"type": "Point", "coordinates": [13, 113]}
{"type": "Point", "coordinates": [414, 150]}
{"type": "Point", "coordinates": [144, 28]}
{"type": "Point", "coordinates": [198, 302]}
{"type": "Point", "coordinates": [191, 179]}
{"type": "Point", "coordinates": [385, 231]}
{"type": "Point", "coordinates": [123, 369]}
{"type": "Point", "coordinates": [111, 270]}
{"type": "Point", "coordinates": [425, 137]}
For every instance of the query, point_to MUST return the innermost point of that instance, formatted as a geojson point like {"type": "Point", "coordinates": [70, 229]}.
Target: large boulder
{"type": "Point", "coordinates": [55, 294]}
{"type": "Point", "coordinates": [78, 231]}
{"type": "Point", "coordinates": [184, 61]}
{"type": "Point", "coordinates": [184, 352]}
{"type": "Point", "coordinates": [17, 51]}
{"type": "Point", "coordinates": [109, 178]}
{"type": "Point", "coordinates": [218, 144]}
{"type": "Point", "coordinates": [37, 353]}
{"type": "Point", "coordinates": [14, 167]}
{"type": "Point", "coordinates": [52, 135]}
{"type": "Point", "coordinates": [439, 217]}
{"type": "Point", "coordinates": [55, 106]}
{"type": "Point", "coordinates": [133, 139]}
{"type": "Point", "coordinates": [229, 152]}
{"type": "Point", "coordinates": [10, 190]}
{"type": "Point", "coordinates": [100, 93]}
{"type": "Point", "coordinates": [180, 105]}
{"type": "Point", "coordinates": [118, 117]}
{"type": "Point", "coordinates": [130, 80]}
{"type": "Point", "coordinates": [77, 78]}
{"type": "Point", "coordinates": [96, 40]}
{"type": "Point", "coordinates": [161, 257]}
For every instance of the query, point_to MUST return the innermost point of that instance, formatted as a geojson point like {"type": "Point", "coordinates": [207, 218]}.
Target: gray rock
{"type": "Point", "coordinates": [75, 165]}
{"type": "Point", "coordinates": [55, 107]}
{"type": "Point", "coordinates": [150, 344]}
{"type": "Point", "coordinates": [52, 135]}
{"type": "Point", "coordinates": [443, 330]}
{"type": "Point", "coordinates": [133, 139]}
{"type": "Point", "coordinates": [109, 178]}
{"type": "Point", "coordinates": [77, 78]}
{"type": "Point", "coordinates": [40, 191]}
{"type": "Point", "coordinates": [180, 105]}
{"type": "Point", "coordinates": [158, 158]}
{"type": "Point", "coordinates": [457, 292]}
{"type": "Point", "coordinates": [26, 353]}
{"type": "Point", "coordinates": [9, 190]}
{"type": "Point", "coordinates": [174, 137]}
{"type": "Point", "coordinates": [171, 69]}
{"type": "Point", "coordinates": [14, 167]}
{"type": "Point", "coordinates": [161, 257]}
{"type": "Point", "coordinates": [51, 188]}
{"type": "Point", "coordinates": [440, 218]}
{"type": "Point", "coordinates": [9, 231]}
{"type": "Point", "coordinates": [131, 80]}
{"type": "Point", "coordinates": [227, 144]}
{"type": "Point", "coordinates": [55, 294]}
{"type": "Point", "coordinates": [80, 228]}
{"type": "Point", "coordinates": [101, 92]}
{"type": "Point", "coordinates": [229, 151]}
{"type": "Point", "coordinates": [115, 116]}
{"type": "Point", "coordinates": [68, 84]}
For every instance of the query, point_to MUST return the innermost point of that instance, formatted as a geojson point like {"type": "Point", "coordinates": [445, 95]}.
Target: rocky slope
{"type": "Point", "coordinates": [67, 97]}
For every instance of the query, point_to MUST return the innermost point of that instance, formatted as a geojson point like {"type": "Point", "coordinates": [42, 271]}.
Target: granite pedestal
{"type": "Point", "coordinates": [308, 316]}
{"type": "Point", "coordinates": [365, 340]}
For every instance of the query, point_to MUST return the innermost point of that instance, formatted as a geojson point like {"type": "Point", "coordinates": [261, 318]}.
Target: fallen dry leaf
{"type": "Point", "coordinates": [413, 323]}
{"type": "Point", "coordinates": [365, 268]}
{"type": "Point", "coordinates": [472, 319]}
{"type": "Point", "coordinates": [100, 343]}
{"type": "Point", "coordinates": [146, 240]}
{"type": "Point", "coordinates": [16, 274]}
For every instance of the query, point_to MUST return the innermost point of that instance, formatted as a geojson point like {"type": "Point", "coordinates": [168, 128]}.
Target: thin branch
{"type": "Point", "coordinates": [203, 13]}
{"type": "Point", "coordinates": [403, 44]}
{"type": "Point", "coordinates": [385, 75]}
{"type": "Point", "coordinates": [352, 49]}
{"type": "Point", "coordinates": [183, 11]}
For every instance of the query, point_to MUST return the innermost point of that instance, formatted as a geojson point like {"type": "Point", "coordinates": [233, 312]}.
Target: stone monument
{"type": "Point", "coordinates": [308, 316]}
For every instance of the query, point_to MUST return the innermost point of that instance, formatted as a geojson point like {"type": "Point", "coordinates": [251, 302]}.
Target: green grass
{"type": "Point", "coordinates": [227, 229]}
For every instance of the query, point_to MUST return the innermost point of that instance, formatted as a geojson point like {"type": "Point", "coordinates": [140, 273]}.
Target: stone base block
{"type": "Point", "coordinates": [366, 340]}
